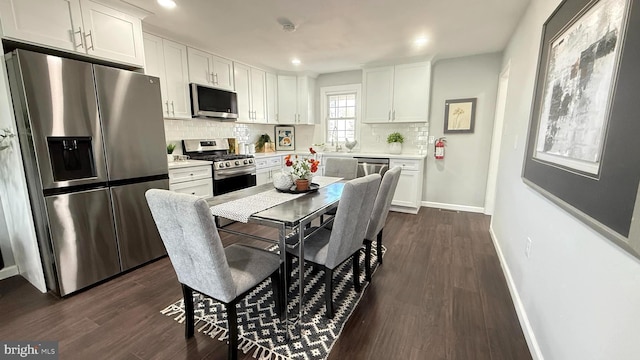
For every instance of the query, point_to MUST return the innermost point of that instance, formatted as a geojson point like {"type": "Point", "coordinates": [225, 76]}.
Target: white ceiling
{"type": "Point", "coordinates": [336, 35]}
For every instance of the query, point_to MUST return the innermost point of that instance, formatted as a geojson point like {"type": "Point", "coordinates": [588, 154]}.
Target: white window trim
{"type": "Point", "coordinates": [337, 90]}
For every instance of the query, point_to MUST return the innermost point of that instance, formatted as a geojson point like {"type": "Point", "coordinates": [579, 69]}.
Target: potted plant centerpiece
{"type": "Point", "coordinates": [170, 148]}
{"type": "Point", "coordinates": [302, 169]}
{"type": "Point", "coordinates": [395, 141]}
{"type": "Point", "coordinates": [264, 143]}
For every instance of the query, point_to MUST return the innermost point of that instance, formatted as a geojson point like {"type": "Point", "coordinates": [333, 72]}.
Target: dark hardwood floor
{"type": "Point", "coordinates": [440, 294]}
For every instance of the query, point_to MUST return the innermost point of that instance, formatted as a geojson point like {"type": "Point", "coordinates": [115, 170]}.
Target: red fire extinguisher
{"type": "Point", "coordinates": [439, 153]}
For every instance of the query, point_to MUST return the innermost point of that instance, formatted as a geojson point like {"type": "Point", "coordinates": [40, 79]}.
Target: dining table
{"type": "Point", "coordinates": [291, 216]}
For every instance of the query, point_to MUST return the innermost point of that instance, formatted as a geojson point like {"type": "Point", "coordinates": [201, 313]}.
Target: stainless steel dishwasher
{"type": "Point", "coordinates": [368, 166]}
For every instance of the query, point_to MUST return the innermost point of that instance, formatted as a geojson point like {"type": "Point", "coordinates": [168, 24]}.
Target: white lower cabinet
{"type": "Point", "coordinates": [199, 188]}
{"type": "Point", "coordinates": [194, 180]}
{"type": "Point", "coordinates": [266, 167]}
{"type": "Point", "coordinates": [408, 195]}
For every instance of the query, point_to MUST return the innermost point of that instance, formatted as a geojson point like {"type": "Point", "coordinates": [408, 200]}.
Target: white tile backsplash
{"type": "Point", "coordinates": [177, 130]}
{"type": "Point", "coordinates": [373, 137]}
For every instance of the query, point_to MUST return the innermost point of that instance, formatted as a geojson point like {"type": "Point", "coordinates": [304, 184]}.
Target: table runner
{"type": "Point", "coordinates": [241, 209]}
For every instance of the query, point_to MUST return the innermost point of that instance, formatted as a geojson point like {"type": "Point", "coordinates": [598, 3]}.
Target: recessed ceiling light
{"type": "Point", "coordinates": [421, 41]}
{"type": "Point", "coordinates": [169, 4]}
{"type": "Point", "coordinates": [296, 61]}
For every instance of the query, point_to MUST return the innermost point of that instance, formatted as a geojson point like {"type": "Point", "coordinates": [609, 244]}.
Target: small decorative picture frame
{"type": "Point", "coordinates": [459, 115]}
{"type": "Point", "coordinates": [285, 138]}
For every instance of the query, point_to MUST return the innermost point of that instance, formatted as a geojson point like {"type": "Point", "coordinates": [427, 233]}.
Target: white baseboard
{"type": "Point", "coordinates": [403, 209]}
{"type": "Point", "coordinates": [529, 335]}
{"type": "Point", "coordinates": [473, 209]}
{"type": "Point", "coordinates": [8, 272]}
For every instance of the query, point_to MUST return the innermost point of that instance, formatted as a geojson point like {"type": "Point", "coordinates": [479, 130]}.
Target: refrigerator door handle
{"type": "Point", "coordinates": [173, 109]}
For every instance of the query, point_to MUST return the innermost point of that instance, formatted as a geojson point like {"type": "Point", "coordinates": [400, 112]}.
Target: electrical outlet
{"type": "Point", "coordinates": [527, 249]}
{"type": "Point", "coordinates": [432, 139]}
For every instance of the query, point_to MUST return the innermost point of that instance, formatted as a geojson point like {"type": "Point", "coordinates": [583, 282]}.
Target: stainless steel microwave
{"type": "Point", "coordinates": [208, 102]}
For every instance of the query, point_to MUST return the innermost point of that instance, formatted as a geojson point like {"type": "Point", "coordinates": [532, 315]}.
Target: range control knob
{"type": "Point", "coordinates": [227, 164]}
{"type": "Point", "coordinates": [250, 161]}
{"type": "Point", "coordinates": [221, 165]}
{"type": "Point", "coordinates": [237, 162]}
{"type": "Point", "coordinates": [246, 162]}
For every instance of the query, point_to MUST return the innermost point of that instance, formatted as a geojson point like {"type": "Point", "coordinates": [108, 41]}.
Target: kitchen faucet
{"type": "Point", "coordinates": [334, 137]}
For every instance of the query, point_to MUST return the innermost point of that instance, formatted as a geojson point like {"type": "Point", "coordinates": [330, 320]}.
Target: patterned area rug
{"type": "Point", "coordinates": [260, 331]}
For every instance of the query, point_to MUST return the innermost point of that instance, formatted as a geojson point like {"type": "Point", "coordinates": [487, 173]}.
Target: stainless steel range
{"type": "Point", "coordinates": [230, 171]}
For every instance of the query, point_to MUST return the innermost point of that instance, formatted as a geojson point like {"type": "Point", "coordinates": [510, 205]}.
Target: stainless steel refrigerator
{"type": "Point", "coordinates": [92, 140]}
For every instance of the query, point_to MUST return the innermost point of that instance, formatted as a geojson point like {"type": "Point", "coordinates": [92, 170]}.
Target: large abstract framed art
{"type": "Point", "coordinates": [582, 151]}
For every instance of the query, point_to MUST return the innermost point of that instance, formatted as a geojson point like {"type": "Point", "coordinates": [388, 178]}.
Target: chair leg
{"type": "Point", "coordinates": [276, 287]}
{"type": "Point", "coordinates": [367, 260]}
{"type": "Point", "coordinates": [232, 324]}
{"type": "Point", "coordinates": [187, 294]}
{"type": "Point", "coordinates": [328, 291]}
{"type": "Point", "coordinates": [356, 270]}
{"type": "Point", "coordinates": [379, 240]}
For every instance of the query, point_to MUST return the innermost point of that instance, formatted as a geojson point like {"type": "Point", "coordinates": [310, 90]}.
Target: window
{"type": "Point", "coordinates": [341, 113]}
{"type": "Point", "coordinates": [341, 123]}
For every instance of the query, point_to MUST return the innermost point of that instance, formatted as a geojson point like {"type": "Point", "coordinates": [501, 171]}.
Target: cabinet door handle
{"type": "Point", "coordinates": [389, 116]}
{"type": "Point", "coordinates": [89, 35]}
{"type": "Point", "coordinates": [215, 79]}
{"type": "Point", "coordinates": [167, 103]}
{"type": "Point", "coordinates": [79, 32]}
{"type": "Point", "coordinates": [173, 109]}
{"type": "Point", "coordinates": [210, 75]}
{"type": "Point", "coordinates": [394, 114]}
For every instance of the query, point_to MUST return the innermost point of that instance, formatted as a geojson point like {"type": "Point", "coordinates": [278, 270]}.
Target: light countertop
{"type": "Point", "coordinates": [188, 163]}
{"type": "Point", "coordinates": [345, 154]}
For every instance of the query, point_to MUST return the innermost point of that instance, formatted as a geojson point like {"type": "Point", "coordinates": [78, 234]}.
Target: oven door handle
{"type": "Point", "coordinates": [225, 174]}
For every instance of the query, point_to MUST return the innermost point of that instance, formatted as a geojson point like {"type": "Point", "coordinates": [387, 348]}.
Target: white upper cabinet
{"type": "Point", "coordinates": [31, 20]}
{"type": "Point", "coordinates": [154, 63]}
{"type": "Point", "coordinates": [222, 73]}
{"type": "Point", "coordinates": [272, 98]}
{"type": "Point", "coordinates": [258, 95]}
{"type": "Point", "coordinates": [397, 93]}
{"type": "Point", "coordinates": [378, 94]}
{"type": "Point", "coordinates": [81, 26]}
{"type": "Point", "coordinates": [242, 79]}
{"type": "Point", "coordinates": [168, 61]}
{"type": "Point", "coordinates": [112, 34]}
{"type": "Point", "coordinates": [287, 99]}
{"type": "Point", "coordinates": [295, 99]}
{"type": "Point", "coordinates": [210, 70]}
{"type": "Point", "coordinates": [250, 87]}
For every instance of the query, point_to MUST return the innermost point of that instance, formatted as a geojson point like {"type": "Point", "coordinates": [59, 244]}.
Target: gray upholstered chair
{"type": "Point", "coordinates": [346, 168]}
{"type": "Point", "coordinates": [330, 248]}
{"type": "Point", "coordinates": [379, 216]}
{"type": "Point", "coordinates": [226, 274]}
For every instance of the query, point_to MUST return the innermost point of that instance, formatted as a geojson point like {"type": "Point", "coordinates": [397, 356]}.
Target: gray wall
{"type": "Point", "coordinates": [461, 177]}
{"type": "Point", "coordinates": [577, 294]}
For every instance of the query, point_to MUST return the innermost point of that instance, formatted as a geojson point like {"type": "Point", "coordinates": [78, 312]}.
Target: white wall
{"type": "Point", "coordinates": [578, 293]}
{"type": "Point", "coordinates": [461, 177]}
